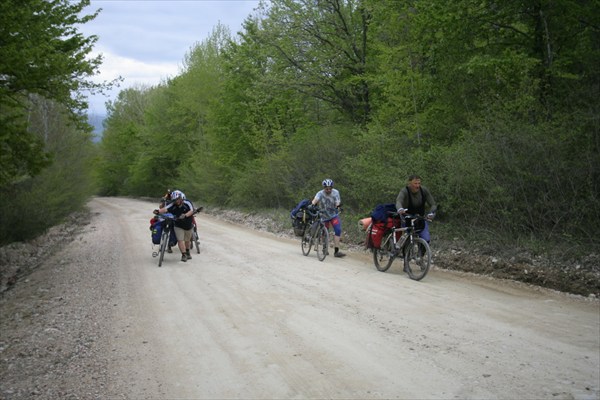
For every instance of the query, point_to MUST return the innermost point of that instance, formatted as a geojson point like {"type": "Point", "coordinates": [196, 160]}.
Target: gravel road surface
{"type": "Point", "coordinates": [252, 318]}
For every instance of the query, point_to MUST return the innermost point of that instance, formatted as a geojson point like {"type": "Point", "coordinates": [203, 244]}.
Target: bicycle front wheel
{"type": "Point", "coordinates": [322, 242]}
{"type": "Point", "coordinates": [383, 257]}
{"type": "Point", "coordinates": [417, 259]}
{"type": "Point", "coordinates": [164, 242]}
{"type": "Point", "coordinates": [306, 241]}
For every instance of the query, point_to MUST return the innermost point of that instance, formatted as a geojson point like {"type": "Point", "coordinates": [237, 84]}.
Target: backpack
{"type": "Point", "coordinates": [156, 229]}
{"type": "Point", "coordinates": [300, 206]}
{"type": "Point", "coordinates": [380, 212]}
{"type": "Point", "coordinates": [299, 217]}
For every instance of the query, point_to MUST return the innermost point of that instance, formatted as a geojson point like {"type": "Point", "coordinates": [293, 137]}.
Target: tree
{"type": "Point", "coordinates": [39, 202]}
{"type": "Point", "coordinates": [319, 48]}
{"type": "Point", "coordinates": [41, 53]}
{"type": "Point", "coordinates": [122, 142]}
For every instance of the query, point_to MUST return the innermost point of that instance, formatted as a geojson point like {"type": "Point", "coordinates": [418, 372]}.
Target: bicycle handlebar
{"type": "Point", "coordinates": [171, 216]}
{"type": "Point", "coordinates": [317, 212]}
{"type": "Point", "coordinates": [165, 215]}
{"type": "Point", "coordinates": [313, 212]}
{"type": "Point", "coordinates": [408, 216]}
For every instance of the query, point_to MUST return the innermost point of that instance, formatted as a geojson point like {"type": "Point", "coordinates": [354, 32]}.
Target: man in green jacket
{"type": "Point", "coordinates": [413, 199]}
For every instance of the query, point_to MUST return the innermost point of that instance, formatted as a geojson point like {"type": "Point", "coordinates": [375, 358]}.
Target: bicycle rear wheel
{"type": "Point", "coordinates": [195, 240]}
{"type": "Point", "coordinates": [322, 242]}
{"type": "Point", "coordinates": [383, 257]}
{"type": "Point", "coordinates": [417, 259]}
{"type": "Point", "coordinates": [164, 242]}
{"type": "Point", "coordinates": [306, 241]}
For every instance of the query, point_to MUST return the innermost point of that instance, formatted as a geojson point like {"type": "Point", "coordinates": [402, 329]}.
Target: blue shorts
{"type": "Point", "coordinates": [424, 234]}
{"type": "Point", "coordinates": [337, 225]}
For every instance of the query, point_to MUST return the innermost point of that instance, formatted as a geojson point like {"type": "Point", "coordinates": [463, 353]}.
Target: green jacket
{"type": "Point", "coordinates": [414, 201]}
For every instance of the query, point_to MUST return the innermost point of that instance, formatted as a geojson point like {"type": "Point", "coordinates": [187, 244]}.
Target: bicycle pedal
{"type": "Point", "coordinates": [154, 254]}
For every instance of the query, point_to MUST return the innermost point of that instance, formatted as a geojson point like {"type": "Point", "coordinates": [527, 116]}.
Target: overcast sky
{"type": "Point", "coordinates": [145, 41]}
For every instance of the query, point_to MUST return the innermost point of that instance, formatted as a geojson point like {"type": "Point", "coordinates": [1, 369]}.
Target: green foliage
{"type": "Point", "coordinates": [386, 159]}
{"type": "Point", "coordinates": [260, 182]}
{"type": "Point", "coordinates": [23, 152]}
{"type": "Point", "coordinates": [46, 149]}
{"type": "Point", "coordinates": [319, 48]}
{"type": "Point", "coordinates": [318, 153]}
{"type": "Point", "coordinates": [493, 104]}
{"type": "Point", "coordinates": [39, 202]}
{"type": "Point", "coordinates": [43, 54]}
{"type": "Point", "coordinates": [121, 141]}
{"type": "Point", "coordinates": [524, 181]}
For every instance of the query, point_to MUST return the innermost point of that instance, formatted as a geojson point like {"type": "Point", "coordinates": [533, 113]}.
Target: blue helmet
{"type": "Point", "coordinates": [327, 183]}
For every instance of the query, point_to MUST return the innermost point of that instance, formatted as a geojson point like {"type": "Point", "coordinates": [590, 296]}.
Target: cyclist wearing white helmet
{"type": "Point", "coordinates": [167, 198]}
{"type": "Point", "coordinates": [329, 201]}
{"type": "Point", "coordinates": [183, 211]}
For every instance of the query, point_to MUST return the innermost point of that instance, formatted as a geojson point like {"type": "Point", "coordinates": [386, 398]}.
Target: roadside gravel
{"type": "Point", "coordinates": [53, 320]}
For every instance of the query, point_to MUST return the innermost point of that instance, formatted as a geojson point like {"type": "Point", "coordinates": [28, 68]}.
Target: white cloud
{"type": "Point", "coordinates": [145, 42]}
{"type": "Point", "coordinates": [133, 72]}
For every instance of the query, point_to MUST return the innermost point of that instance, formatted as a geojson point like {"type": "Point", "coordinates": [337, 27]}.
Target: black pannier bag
{"type": "Point", "coordinates": [300, 217]}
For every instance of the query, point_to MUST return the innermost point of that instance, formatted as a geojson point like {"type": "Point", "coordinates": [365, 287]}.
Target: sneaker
{"type": "Point", "coordinates": [169, 249]}
{"type": "Point", "coordinates": [188, 255]}
{"type": "Point", "coordinates": [339, 254]}
{"type": "Point", "coordinates": [184, 258]}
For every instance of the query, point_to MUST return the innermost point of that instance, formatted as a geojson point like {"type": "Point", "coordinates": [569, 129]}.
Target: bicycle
{"type": "Point", "coordinates": [414, 250]}
{"type": "Point", "coordinates": [165, 237]}
{"type": "Point", "coordinates": [195, 239]}
{"type": "Point", "coordinates": [167, 230]}
{"type": "Point", "coordinates": [316, 233]}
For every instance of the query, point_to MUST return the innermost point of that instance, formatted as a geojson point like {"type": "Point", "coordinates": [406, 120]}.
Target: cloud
{"type": "Point", "coordinates": [134, 72]}
{"type": "Point", "coordinates": [145, 42]}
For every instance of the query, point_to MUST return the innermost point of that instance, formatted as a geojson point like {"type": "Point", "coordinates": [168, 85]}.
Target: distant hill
{"type": "Point", "coordinates": [96, 121]}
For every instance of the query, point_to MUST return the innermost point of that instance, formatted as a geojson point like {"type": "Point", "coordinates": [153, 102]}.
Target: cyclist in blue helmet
{"type": "Point", "coordinates": [328, 199]}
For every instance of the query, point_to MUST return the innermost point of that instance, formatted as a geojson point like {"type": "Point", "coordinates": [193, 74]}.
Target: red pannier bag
{"type": "Point", "coordinates": [376, 230]}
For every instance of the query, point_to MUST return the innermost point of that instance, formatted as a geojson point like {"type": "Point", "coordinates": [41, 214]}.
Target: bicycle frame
{"type": "Point", "coordinates": [195, 238]}
{"type": "Point", "coordinates": [316, 233]}
{"type": "Point", "coordinates": [165, 236]}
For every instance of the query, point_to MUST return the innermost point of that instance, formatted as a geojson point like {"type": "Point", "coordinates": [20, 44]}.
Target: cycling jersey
{"type": "Point", "coordinates": [328, 203]}
{"type": "Point", "coordinates": [176, 210]}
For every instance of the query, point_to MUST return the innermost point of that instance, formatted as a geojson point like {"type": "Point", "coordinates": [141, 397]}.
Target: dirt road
{"type": "Point", "coordinates": [251, 317]}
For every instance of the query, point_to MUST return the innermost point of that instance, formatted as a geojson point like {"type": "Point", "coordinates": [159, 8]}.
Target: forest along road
{"type": "Point", "coordinates": [251, 317]}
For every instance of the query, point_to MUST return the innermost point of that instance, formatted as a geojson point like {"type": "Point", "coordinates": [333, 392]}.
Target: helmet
{"type": "Point", "coordinates": [327, 182]}
{"type": "Point", "coordinates": [177, 194]}
{"type": "Point", "coordinates": [180, 192]}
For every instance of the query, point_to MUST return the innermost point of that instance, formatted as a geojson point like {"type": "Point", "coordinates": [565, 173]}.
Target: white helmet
{"type": "Point", "coordinates": [177, 194]}
{"type": "Point", "coordinates": [327, 183]}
